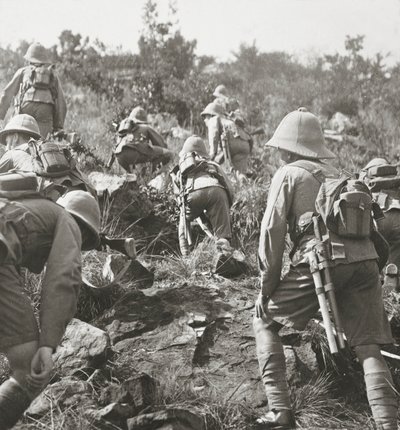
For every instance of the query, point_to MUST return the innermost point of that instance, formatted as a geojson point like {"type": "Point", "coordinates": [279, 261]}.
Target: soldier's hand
{"type": "Point", "coordinates": [259, 306]}
{"type": "Point", "coordinates": [41, 367]}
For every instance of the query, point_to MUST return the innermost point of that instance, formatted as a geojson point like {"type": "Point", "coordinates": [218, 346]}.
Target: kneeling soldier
{"type": "Point", "coordinates": [137, 142]}
{"type": "Point", "coordinates": [292, 301]}
{"type": "Point", "coordinates": [203, 190]}
{"type": "Point", "coordinates": [35, 232]}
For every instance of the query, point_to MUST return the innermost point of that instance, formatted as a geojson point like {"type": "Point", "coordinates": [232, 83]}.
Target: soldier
{"type": "Point", "coordinates": [228, 141]}
{"type": "Point", "coordinates": [292, 301]}
{"type": "Point", "coordinates": [37, 92]}
{"type": "Point", "coordinates": [203, 190]}
{"type": "Point", "coordinates": [138, 142]}
{"type": "Point", "coordinates": [16, 135]}
{"type": "Point", "coordinates": [35, 232]}
{"type": "Point", "coordinates": [384, 182]}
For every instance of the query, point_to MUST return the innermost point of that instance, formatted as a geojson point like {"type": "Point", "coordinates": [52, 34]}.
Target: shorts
{"type": "Point", "coordinates": [358, 295]}
{"type": "Point", "coordinates": [17, 321]}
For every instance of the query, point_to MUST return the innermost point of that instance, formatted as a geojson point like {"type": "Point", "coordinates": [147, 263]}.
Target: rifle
{"type": "Point", "coordinates": [124, 245]}
{"type": "Point", "coordinates": [225, 150]}
{"type": "Point", "coordinates": [182, 206]}
{"type": "Point", "coordinates": [320, 264]}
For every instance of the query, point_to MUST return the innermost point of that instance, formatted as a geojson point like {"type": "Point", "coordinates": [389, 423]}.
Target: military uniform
{"type": "Point", "coordinates": [35, 232]}
{"type": "Point", "coordinates": [20, 158]}
{"type": "Point", "coordinates": [207, 192]}
{"type": "Point", "coordinates": [137, 142]}
{"type": "Point", "coordinates": [388, 199]}
{"type": "Point", "coordinates": [292, 301]}
{"type": "Point", "coordinates": [46, 105]}
{"type": "Point", "coordinates": [220, 127]}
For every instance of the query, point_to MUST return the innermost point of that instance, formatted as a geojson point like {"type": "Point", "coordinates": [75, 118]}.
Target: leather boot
{"type": "Point", "coordinates": [282, 420]}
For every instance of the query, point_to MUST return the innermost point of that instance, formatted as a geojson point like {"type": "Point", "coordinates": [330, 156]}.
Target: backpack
{"type": "Point", "coordinates": [40, 77]}
{"type": "Point", "coordinates": [383, 177]}
{"type": "Point", "coordinates": [51, 159]}
{"type": "Point", "coordinates": [344, 204]}
{"type": "Point", "coordinates": [17, 184]}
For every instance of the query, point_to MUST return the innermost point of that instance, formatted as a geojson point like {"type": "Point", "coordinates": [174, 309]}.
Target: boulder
{"type": "Point", "coordinates": [167, 419]}
{"type": "Point", "coordinates": [83, 346]}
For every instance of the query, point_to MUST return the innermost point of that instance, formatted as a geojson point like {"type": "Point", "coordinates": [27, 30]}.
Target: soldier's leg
{"type": "Point", "coordinates": [19, 341]}
{"type": "Point", "coordinates": [271, 359]}
{"type": "Point", "coordinates": [15, 394]}
{"type": "Point", "coordinates": [380, 390]}
{"type": "Point", "coordinates": [292, 304]}
{"type": "Point", "coordinates": [218, 213]}
{"type": "Point", "coordinates": [359, 296]}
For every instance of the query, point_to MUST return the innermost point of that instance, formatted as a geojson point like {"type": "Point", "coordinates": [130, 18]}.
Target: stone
{"type": "Point", "coordinates": [167, 419]}
{"type": "Point", "coordinates": [119, 268]}
{"type": "Point", "coordinates": [83, 346]}
{"type": "Point", "coordinates": [65, 393]}
{"type": "Point", "coordinates": [105, 181]}
{"type": "Point", "coordinates": [139, 392]}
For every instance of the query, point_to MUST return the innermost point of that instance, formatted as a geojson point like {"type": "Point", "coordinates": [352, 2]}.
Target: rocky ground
{"type": "Point", "coordinates": [177, 352]}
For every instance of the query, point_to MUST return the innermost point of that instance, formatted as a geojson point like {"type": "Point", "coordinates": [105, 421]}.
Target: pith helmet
{"type": "Point", "coordinates": [22, 123]}
{"type": "Point", "coordinates": [82, 205]}
{"type": "Point", "coordinates": [213, 109]}
{"type": "Point", "coordinates": [300, 132]}
{"type": "Point", "coordinates": [375, 162]}
{"type": "Point", "coordinates": [194, 144]}
{"type": "Point", "coordinates": [138, 115]}
{"type": "Point", "coordinates": [37, 53]}
{"type": "Point", "coordinates": [220, 91]}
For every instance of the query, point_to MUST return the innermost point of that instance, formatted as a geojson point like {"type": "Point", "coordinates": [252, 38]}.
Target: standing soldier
{"type": "Point", "coordinates": [138, 142]}
{"type": "Point", "coordinates": [15, 136]}
{"type": "Point", "coordinates": [35, 232]}
{"type": "Point", "coordinates": [292, 301]}
{"type": "Point", "coordinates": [203, 191]}
{"type": "Point", "coordinates": [37, 92]}
{"type": "Point", "coordinates": [228, 141]}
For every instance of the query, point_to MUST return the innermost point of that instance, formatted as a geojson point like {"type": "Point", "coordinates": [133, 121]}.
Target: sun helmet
{"type": "Point", "coordinates": [21, 123]}
{"type": "Point", "coordinates": [375, 162]}
{"type": "Point", "coordinates": [37, 53]}
{"type": "Point", "coordinates": [194, 144]}
{"type": "Point", "coordinates": [138, 115]}
{"type": "Point", "coordinates": [83, 206]}
{"type": "Point", "coordinates": [220, 91]}
{"type": "Point", "coordinates": [214, 109]}
{"type": "Point", "coordinates": [300, 133]}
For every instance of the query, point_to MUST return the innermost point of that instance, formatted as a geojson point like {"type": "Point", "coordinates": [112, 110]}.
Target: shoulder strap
{"type": "Point", "coordinates": [311, 167]}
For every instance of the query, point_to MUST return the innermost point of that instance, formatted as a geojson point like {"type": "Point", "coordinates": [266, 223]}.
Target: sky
{"type": "Point", "coordinates": [299, 27]}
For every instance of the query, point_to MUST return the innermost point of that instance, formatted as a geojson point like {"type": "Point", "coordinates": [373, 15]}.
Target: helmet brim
{"type": "Point", "coordinates": [323, 152]}
{"type": "Point", "coordinates": [4, 132]}
{"type": "Point", "coordinates": [94, 241]}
